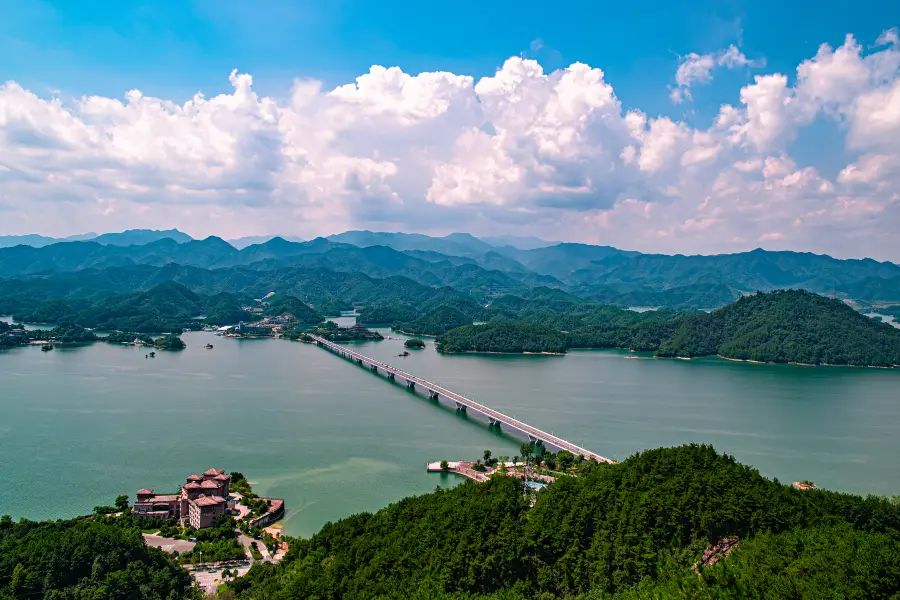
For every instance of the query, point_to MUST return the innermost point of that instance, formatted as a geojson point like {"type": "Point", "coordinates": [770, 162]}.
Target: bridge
{"type": "Point", "coordinates": [495, 418]}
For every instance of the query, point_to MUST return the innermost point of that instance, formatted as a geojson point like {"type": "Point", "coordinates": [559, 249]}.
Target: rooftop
{"type": "Point", "coordinates": [144, 491]}
{"type": "Point", "coordinates": [209, 500]}
{"type": "Point", "coordinates": [214, 472]}
{"type": "Point", "coordinates": [209, 484]}
{"type": "Point", "coordinates": [195, 477]}
{"type": "Point", "coordinates": [163, 498]}
{"type": "Point", "coordinates": [192, 485]}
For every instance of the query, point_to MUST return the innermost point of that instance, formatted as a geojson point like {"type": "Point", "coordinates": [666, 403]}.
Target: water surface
{"type": "Point", "coordinates": [81, 425]}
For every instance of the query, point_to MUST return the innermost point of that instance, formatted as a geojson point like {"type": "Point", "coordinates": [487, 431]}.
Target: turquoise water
{"type": "Point", "coordinates": [82, 425]}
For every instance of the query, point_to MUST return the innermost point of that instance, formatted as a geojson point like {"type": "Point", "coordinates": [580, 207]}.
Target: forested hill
{"type": "Point", "coordinates": [592, 273]}
{"type": "Point", "coordinates": [787, 326]}
{"type": "Point", "coordinates": [86, 559]}
{"type": "Point", "coordinates": [503, 337]}
{"type": "Point", "coordinates": [631, 530]}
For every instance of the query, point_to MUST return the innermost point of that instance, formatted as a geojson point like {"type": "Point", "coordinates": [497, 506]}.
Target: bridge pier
{"type": "Point", "coordinates": [411, 385]}
{"type": "Point", "coordinates": [460, 407]}
{"type": "Point", "coordinates": [359, 360]}
{"type": "Point", "coordinates": [390, 376]}
{"type": "Point", "coordinates": [492, 422]}
{"type": "Point", "coordinates": [374, 369]}
{"type": "Point", "coordinates": [432, 394]}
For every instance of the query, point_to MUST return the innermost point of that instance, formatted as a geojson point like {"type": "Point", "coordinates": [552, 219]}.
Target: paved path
{"type": "Point", "coordinates": [168, 544]}
{"type": "Point", "coordinates": [246, 541]}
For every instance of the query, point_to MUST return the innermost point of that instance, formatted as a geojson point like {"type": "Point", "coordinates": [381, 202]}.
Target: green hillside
{"type": "Point", "coordinates": [294, 307]}
{"type": "Point", "coordinates": [502, 337]}
{"type": "Point", "coordinates": [630, 530]}
{"type": "Point", "coordinates": [436, 321]}
{"type": "Point", "coordinates": [787, 326]}
{"type": "Point", "coordinates": [85, 559]}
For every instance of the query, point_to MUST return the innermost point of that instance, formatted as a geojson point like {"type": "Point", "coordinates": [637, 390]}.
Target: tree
{"type": "Point", "coordinates": [121, 503]}
{"type": "Point", "coordinates": [445, 465]}
{"type": "Point", "coordinates": [487, 456]}
{"type": "Point", "coordinates": [414, 343]}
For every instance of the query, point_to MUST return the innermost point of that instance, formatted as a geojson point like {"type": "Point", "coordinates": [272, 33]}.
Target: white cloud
{"type": "Point", "coordinates": [522, 150]}
{"type": "Point", "coordinates": [888, 37]}
{"type": "Point", "coordinates": [697, 69]}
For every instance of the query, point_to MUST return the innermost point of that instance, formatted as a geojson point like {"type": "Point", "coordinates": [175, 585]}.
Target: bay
{"type": "Point", "coordinates": [80, 425]}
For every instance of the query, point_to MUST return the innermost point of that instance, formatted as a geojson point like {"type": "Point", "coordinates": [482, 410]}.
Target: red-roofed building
{"type": "Point", "coordinates": [201, 501]}
{"type": "Point", "coordinates": [203, 511]}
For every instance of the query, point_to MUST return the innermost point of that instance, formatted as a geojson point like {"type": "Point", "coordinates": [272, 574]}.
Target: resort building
{"type": "Point", "coordinates": [251, 329]}
{"type": "Point", "coordinates": [202, 500]}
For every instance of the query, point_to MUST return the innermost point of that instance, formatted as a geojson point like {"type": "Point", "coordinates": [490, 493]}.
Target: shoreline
{"type": "Point", "coordinates": [503, 353]}
{"type": "Point", "coordinates": [418, 335]}
{"type": "Point", "coordinates": [802, 364]}
{"type": "Point", "coordinates": [488, 352]}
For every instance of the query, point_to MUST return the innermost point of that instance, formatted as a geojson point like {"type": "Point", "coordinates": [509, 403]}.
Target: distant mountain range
{"type": "Point", "coordinates": [478, 268]}
{"type": "Point", "coordinates": [129, 237]}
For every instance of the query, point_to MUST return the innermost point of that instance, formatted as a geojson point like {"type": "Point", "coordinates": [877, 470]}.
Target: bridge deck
{"type": "Point", "coordinates": [533, 432]}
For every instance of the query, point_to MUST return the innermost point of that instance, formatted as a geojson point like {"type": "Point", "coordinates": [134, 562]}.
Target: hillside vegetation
{"type": "Point", "coordinates": [784, 326]}
{"type": "Point", "coordinates": [630, 530]}
{"type": "Point", "coordinates": [789, 326]}
{"type": "Point", "coordinates": [502, 337]}
{"type": "Point", "coordinates": [85, 559]}
{"type": "Point", "coordinates": [592, 273]}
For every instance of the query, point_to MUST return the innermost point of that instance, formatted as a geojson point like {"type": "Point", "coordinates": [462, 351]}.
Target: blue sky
{"type": "Point", "coordinates": [175, 48]}
{"type": "Point", "coordinates": [171, 50]}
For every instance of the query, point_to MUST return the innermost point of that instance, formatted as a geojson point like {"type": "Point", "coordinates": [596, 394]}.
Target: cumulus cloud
{"type": "Point", "coordinates": [697, 69]}
{"type": "Point", "coordinates": [523, 150]}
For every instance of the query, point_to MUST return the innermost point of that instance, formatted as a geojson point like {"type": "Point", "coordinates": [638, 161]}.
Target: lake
{"type": "Point", "coordinates": [82, 425]}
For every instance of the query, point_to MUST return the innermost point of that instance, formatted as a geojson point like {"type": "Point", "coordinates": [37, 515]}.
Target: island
{"type": "Point", "coordinates": [17, 335]}
{"type": "Point", "coordinates": [414, 343]}
{"type": "Point", "coordinates": [169, 342]}
{"type": "Point", "coordinates": [792, 326]}
{"type": "Point", "coordinates": [129, 338]}
{"type": "Point", "coordinates": [356, 333]}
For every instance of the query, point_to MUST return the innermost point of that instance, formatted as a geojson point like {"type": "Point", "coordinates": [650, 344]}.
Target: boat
{"type": "Point", "coordinates": [404, 354]}
{"type": "Point", "coordinates": [209, 346]}
{"type": "Point", "coordinates": [152, 354]}
{"type": "Point", "coordinates": [46, 347]}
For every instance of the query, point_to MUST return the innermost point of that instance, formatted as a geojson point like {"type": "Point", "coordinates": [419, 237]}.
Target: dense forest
{"type": "Point", "coordinates": [650, 527]}
{"type": "Point", "coordinates": [165, 307]}
{"type": "Point", "coordinates": [789, 326]}
{"type": "Point", "coordinates": [631, 530]}
{"type": "Point", "coordinates": [84, 559]}
{"type": "Point", "coordinates": [502, 337]}
{"type": "Point", "coordinates": [784, 326]}
{"type": "Point", "coordinates": [435, 322]}
{"type": "Point", "coordinates": [293, 306]}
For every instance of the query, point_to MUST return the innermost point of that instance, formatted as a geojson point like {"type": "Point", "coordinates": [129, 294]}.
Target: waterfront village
{"type": "Point", "coordinates": [284, 326]}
